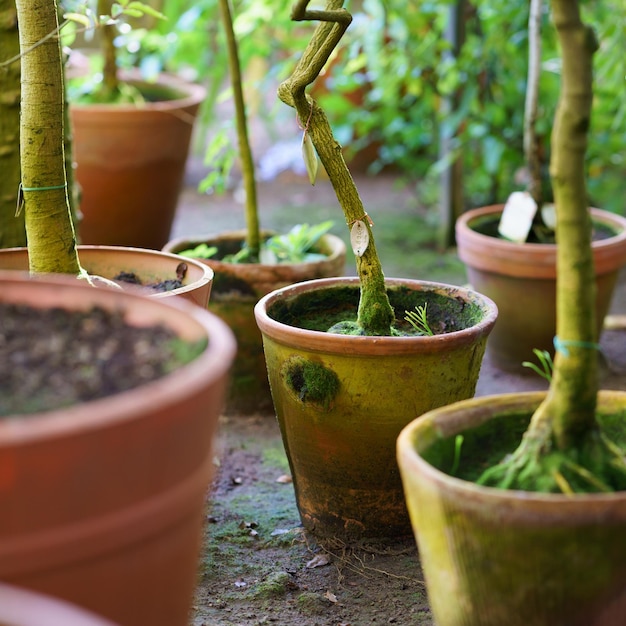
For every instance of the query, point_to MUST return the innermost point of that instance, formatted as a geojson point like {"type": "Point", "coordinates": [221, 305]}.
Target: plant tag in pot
{"type": "Point", "coordinates": [517, 217]}
{"type": "Point", "coordinates": [359, 238]}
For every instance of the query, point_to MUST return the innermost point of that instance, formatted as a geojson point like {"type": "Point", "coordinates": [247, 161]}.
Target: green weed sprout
{"type": "Point", "coordinates": [545, 367]}
{"type": "Point", "coordinates": [418, 319]}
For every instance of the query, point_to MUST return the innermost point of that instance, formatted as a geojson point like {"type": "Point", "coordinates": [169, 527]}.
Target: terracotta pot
{"type": "Point", "coordinates": [19, 607]}
{"type": "Point", "coordinates": [149, 265]}
{"type": "Point", "coordinates": [521, 280]}
{"type": "Point", "coordinates": [237, 287]}
{"type": "Point", "coordinates": [342, 400]}
{"type": "Point", "coordinates": [491, 556]}
{"type": "Point", "coordinates": [103, 502]}
{"type": "Point", "coordinates": [130, 164]}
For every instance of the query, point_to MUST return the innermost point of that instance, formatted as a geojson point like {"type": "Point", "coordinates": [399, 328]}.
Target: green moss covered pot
{"type": "Point", "coordinates": [493, 557]}
{"type": "Point", "coordinates": [341, 400]}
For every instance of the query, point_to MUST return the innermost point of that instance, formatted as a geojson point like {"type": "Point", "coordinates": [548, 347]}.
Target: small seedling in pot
{"type": "Point", "coordinates": [418, 319]}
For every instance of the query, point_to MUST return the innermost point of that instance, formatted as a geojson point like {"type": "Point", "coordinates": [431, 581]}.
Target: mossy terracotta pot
{"type": "Point", "coordinates": [341, 400]}
{"type": "Point", "coordinates": [521, 280]}
{"type": "Point", "coordinates": [103, 502]}
{"type": "Point", "coordinates": [237, 287]}
{"type": "Point", "coordinates": [492, 557]}
{"type": "Point", "coordinates": [149, 265]}
{"type": "Point", "coordinates": [130, 162]}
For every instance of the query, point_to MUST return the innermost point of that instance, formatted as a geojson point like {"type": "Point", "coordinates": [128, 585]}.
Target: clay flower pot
{"type": "Point", "coordinates": [341, 401]}
{"type": "Point", "coordinates": [237, 287]}
{"type": "Point", "coordinates": [20, 607]}
{"type": "Point", "coordinates": [491, 556]}
{"type": "Point", "coordinates": [130, 163]}
{"type": "Point", "coordinates": [521, 280]}
{"type": "Point", "coordinates": [149, 265]}
{"type": "Point", "coordinates": [103, 502]}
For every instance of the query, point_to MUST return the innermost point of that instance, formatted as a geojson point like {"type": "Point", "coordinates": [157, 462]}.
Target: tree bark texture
{"type": "Point", "coordinates": [375, 314]}
{"type": "Point", "coordinates": [12, 230]}
{"type": "Point", "coordinates": [49, 228]}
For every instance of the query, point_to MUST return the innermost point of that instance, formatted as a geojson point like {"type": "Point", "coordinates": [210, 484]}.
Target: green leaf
{"type": "Point", "coordinates": [79, 18]}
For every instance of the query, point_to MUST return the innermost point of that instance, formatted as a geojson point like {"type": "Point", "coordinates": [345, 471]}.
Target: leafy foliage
{"type": "Point", "coordinates": [296, 246]}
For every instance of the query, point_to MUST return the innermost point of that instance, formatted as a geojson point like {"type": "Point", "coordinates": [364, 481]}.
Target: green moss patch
{"type": "Point", "coordinates": [311, 381]}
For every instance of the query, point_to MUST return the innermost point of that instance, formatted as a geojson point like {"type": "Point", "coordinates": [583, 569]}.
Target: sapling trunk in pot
{"type": "Point", "coordinates": [564, 441]}
{"type": "Point", "coordinates": [12, 232]}
{"type": "Point", "coordinates": [539, 537]}
{"type": "Point", "coordinates": [248, 264]}
{"type": "Point", "coordinates": [44, 200]}
{"type": "Point", "coordinates": [510, 252]}
{"type": "Point", "coordinates": [347, 368]}
{"type": "Point", "coordinates": [43, 191]}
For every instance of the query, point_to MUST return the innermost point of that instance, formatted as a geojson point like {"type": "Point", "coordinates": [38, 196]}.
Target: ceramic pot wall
{"type": "Point", "coordinates": [521, 280]}
{"type": "Point", "coordinates": [130, 164]}
{"type": "Point", "coordinates": [342, 400]}
{"type": "Point", "coordinates": [237, 288]}
{"type": "Point", "coordinates": [104, 501]}
{"type": "Point", "coordinates": [491, 556]}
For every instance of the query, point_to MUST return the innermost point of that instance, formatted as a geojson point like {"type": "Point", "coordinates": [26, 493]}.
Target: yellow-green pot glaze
{"type": "Point", "coordinates": [341, 400]}
{"type": "Point", "coordinates": [494, 557]}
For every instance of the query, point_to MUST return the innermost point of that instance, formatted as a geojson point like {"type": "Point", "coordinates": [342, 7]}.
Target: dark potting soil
{"type": "Point", "coordinates": [164, 285]}
{"type": "Point", "coordinates": [326, 308]}
{"type": "Point", "coordinates": [488, 225]}
{"type": "Point", "coordinates": [54, 358]}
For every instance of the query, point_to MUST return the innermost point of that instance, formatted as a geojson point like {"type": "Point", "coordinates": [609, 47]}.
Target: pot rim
{"type": "Point", "coordinates": [205, 276]}
{"type": "Point", "coordinates": [500, 256]}
{"type": "Point", "coordinates": [194, 94]}
{"type": "Point", "coordinates": [27, 607]}
{"type": "Point", "coordinates": [368, 345]}
{"type": "Point", "coordinates": [449, 420]}
{"type": "Point", "coordinates": [189, 320]}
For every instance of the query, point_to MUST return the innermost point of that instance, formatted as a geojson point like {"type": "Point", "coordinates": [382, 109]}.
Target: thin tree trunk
{"type": "Point", "coordinates": [50, 232]}
{"type": "Point", "coordinates": [245, 153]}
{"type": "Point", "coordinates": [575, 381]}
{"type": "Point", "coordinates": [12, 230]}
{"type": "Point", "coordinates": [375, 314]}
{"type": "Point", "coordinates": [531, 142]}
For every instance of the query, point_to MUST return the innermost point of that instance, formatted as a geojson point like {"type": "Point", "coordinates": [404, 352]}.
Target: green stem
{"type": "Point", "coordinates": [253, 238]}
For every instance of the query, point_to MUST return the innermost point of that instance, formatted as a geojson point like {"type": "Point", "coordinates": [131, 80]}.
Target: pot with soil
{"type": "Point", "coordinates": [493, 556]}
{"type": "Point", "coordinates": [157, 274]}
{"type": "Point", "coordinates": [237, 287]}
{"type": "Point", "coordinates": [105, 461]}
{"type": "Point", "coordinates": [130, 162]}
{"type": "Point", "coordinates": [342, 400]}
{"type": "Point", "coordinates": [521, 279]}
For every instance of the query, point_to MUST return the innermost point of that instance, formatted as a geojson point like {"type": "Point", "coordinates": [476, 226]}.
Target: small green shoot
{"type": "Point", "coordinates": [201, 251]}
{"type": "Point", "coordinates": [545, 367]}
{"type": "Point", "coordinates": [458, 443]}
{"type": "Point", "coordinates": [418, 319]}
{"type": "Point", "coordinates": [296, 245]}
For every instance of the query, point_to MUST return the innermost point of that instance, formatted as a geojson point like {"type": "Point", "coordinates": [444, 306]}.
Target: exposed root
{"type": "Point", "coordinates": [597, 466]}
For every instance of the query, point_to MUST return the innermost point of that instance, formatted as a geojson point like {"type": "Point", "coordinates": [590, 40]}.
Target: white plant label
{"type": "Point", "coordinates": [359, 238]}
{"type": "Point", "coordinates": [548, 215]}
{"type": "Point", "coordinates": [517, 217]}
